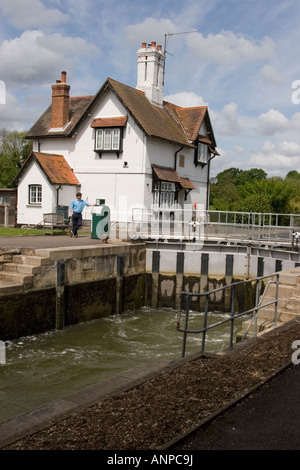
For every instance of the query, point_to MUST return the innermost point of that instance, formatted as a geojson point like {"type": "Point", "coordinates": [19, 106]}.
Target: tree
{"type": "Point", "coordinates": [225, 194]}
{"type": "Point", "coordinates": [251, 191]}
{"type": "Point", "coordinates": [269, 195]}
{"type": "Point", "coordinates": [14, 149]}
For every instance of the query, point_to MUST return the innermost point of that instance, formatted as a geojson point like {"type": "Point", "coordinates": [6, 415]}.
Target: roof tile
{"type": "Point", "coordinates": [56, 168]}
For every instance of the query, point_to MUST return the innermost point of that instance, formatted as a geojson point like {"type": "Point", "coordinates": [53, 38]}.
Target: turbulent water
{"type": "Point", "coordinates": [42, 368]}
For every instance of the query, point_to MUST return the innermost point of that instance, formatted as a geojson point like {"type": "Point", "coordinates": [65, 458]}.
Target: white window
{"type": "Point", "coordinates": [202, 153]}
{"type": "Point", "coordinates": [108, 139]}
{"type": "Point", "coordinates": [35, 194]}
{"type": "Point", "coordinates": [164, 196]}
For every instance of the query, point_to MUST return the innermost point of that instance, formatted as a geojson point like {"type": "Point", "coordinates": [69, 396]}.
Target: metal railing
{"type": "Point", "coordinates": [233, 315]}
{"type": "Point", "coordinates": [197, 225]}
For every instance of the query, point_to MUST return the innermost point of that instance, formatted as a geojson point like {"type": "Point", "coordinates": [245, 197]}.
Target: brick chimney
{"type": "Point", "coordinates": [150, 75]}
{"type": "Point", "coordinates": [60, 103]}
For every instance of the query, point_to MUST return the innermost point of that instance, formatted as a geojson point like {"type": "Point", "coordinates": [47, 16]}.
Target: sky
{"type": "Point", "coordinates": [238, 57]}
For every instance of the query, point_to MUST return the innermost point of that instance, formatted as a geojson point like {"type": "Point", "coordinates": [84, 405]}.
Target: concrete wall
{"type": "Point", "coordinates": [85, 283]}
{"type": "Point", "coordinates": [171, 269]}
{"type": "Point", "coordinates": [75, 285]}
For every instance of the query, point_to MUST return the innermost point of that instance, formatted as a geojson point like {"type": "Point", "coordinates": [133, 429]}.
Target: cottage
{"type": "Point", "coordinates": [124, 145]}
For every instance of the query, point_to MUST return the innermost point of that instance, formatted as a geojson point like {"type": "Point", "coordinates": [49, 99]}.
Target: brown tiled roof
{"type": "Point", "coordinates": [155, 121]}
{"type": "Point", "coordinates": [171, 175]}
{"type": "Point", "coordinates": [204, 139]}
{"type": "Point", "coordinates": [170, 122]}
{"type": "Point", "coordinates": [191, 119]}
{"type": "Point", "coordinates": [56, 168]}
{"type": "Point", "coordinates": [78, 106]}
{"type": "Point", "coordinates": [109, 122]}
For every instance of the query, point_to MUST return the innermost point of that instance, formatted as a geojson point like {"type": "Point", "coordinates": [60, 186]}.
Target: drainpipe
{"type": "Point", "coordinates": [207, 183]}
{"type": "Point", "coordinates": [175, 157]}
{"type": "Point", "coordinates": [57, 195]}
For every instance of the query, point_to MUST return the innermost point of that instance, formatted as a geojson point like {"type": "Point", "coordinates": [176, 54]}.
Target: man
{"type": "Point", "coordinates": [77, 207]}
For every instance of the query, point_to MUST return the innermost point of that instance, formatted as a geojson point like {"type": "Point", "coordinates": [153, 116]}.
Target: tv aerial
{"type": "Point", "coordinates": [167, 35]}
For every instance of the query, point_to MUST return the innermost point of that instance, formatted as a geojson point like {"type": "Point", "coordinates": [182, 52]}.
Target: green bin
{"type": "Point", "coordinates": [100, 221]}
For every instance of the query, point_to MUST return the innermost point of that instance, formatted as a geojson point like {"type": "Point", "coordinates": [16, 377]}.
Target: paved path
{"type": "Point", "coordinates": [48, 241]}
{"type": "Point", "coordinates": [269, 419]}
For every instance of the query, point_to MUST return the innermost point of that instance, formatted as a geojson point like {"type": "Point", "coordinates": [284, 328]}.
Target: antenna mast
{"type": "Point", "coordinates": [165, 47]}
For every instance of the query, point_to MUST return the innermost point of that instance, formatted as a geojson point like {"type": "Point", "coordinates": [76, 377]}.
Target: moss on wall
{"type": "Point", "coordinates": [27, 314]}
{"type": "Point", "coordinates": [133, 292]}
{"type": "Point", "coordinates": [90, 300]}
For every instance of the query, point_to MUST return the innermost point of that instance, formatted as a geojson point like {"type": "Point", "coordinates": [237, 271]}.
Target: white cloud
{"type": "Point", "coordinates": [272, 122]}
{"type": "Point", "coordinates": [13, 115]}
{"type": "Point", "coordinates": [186, 99]}
{"type": "Point", "coordinates": [149, 30]}
{"type": "Point", "coordinates": [228, 48]}
{"type": "Point", "coordinates": [66, 45]}
{"type": "Point", "coordinates": [24, 14]}
{"type": "Point", "coordinates": [277, 158]}
{"type": "Point", "coordinates": [35, 57]}
{"type": "Point", "coordinates": [229, 121]}
{"type": "Point", "coordinates": [270, 75]}
{"type": "Point", "coordinates": [238, 149]}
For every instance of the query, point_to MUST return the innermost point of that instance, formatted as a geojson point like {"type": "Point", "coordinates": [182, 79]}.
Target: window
{"type": "Point", "coordinates": [202, 154]}
{"type": "Point", "coordinates": [164, 194]}
{"type": "Point", "coordinates": [108, 139]}
{"type": "Point", "coordinates": [35, 194]}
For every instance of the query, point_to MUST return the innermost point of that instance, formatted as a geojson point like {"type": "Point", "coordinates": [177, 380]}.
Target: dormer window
{"type": "Point", "coordinates": [203, 150]}
{"type": "Point", "coordinates": [109, 134]}
{"type": "Point", "coordinates": [202, 153]}
{"type": "Point", "coordinates": [108, 139]}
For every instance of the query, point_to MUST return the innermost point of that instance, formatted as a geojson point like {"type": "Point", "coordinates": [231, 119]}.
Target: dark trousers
{"type": "Point", "coordinates": [76, 222]}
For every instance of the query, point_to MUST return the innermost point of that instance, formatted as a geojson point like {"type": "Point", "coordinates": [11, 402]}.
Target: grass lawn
{"type": "Point", "coordinates": [17, 232]}
{"type": "Point", "coordinates": [14, 232]}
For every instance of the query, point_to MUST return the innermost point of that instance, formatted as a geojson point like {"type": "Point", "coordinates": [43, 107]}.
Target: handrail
{"type": "Point", "coordinates": [233, 315]}
{"type": "Point", "coordinates": [196, 225]}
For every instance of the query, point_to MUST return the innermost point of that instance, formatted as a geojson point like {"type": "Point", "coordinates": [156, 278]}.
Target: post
{"type": "Point", "coordinates": [232, 315]}
{"type": "Point", "coordinates": [187, 309]}
{"type": "Point", "coordinates": [155, 278]}
{"type": "Point", "coordinates": [119, 284]}
{"type": "Point", "coordinates": [60, 295]}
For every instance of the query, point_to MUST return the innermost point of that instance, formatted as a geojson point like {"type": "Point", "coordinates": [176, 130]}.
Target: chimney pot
{"type": "Point", "coordinates": [63, 77]}
{"type": "Point", "coordinates": [144, 45]}
{"type": "Point", "coordinates": [153, 44]}
{"type": "Point", "coordinates": [159, 48]}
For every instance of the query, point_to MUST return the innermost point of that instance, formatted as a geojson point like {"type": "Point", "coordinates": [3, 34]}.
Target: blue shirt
{"type": "Point", "coordinates": [78, 205]}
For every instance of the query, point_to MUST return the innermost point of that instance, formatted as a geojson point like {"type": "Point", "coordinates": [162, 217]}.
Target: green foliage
{"type": "Point", "coordinates": [14, 149]}
{"type": "Point", "coordinates": [269, 195]}
{"type": "Point", "coordinates": [251, 191]}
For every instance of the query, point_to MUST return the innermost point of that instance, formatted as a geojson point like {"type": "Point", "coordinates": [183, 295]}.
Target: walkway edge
{"type": "Point", "coordinates": [38, 419]}
{"type": "Point", "coordinates": [195, 428]}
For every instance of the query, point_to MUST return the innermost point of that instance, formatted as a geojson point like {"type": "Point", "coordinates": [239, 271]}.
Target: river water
{"type": "Point", "coordinates": [42, 368]}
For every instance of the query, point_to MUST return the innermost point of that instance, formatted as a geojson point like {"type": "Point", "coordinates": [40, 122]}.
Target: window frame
{"type": "Point", "coordinates": [38, 194]}
{"type": "Point", "coordinates": [202, 153]}
{"type": "Point", "coordinates": [164, 194]}
{"type": "Point", "coordinates": [110, 136]}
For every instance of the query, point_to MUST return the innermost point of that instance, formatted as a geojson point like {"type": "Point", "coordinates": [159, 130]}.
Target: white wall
{"type": "Point", "coordinates": [108, 177]}
{"type": "Point", "coordinates": [29, 213]}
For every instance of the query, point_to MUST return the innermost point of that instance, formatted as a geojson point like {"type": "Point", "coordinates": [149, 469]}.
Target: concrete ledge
{"type": "Point", "coordinates": [87, 251]}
